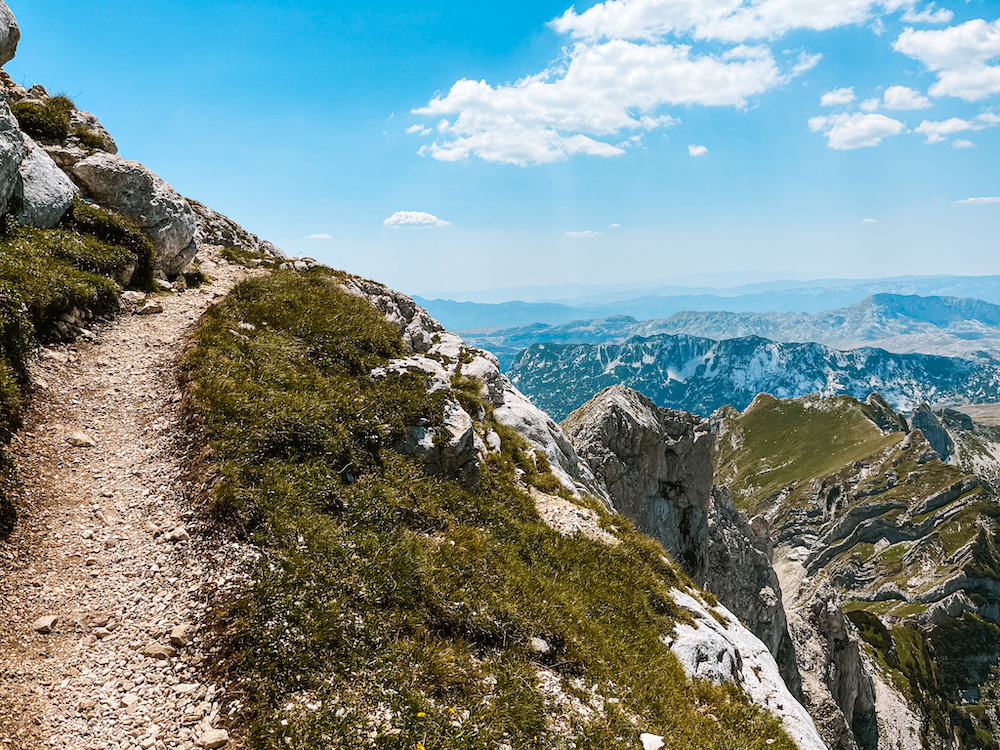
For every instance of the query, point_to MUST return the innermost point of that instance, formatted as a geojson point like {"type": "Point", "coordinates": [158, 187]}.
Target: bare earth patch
{"type": "Point", "coordinates": [107, 544]}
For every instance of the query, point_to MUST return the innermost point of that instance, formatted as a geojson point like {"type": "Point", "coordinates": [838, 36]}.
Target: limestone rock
{"type": "Point", "coordinates": [214, 738]}
{"type": "Point", "coordinates": [538, 645]}
{"type": "Point", "coordinates": [656, 465]}
{"type": "Point", "coordinates": [79, 119]}
{"type": "Point", "coordinates": [726, 651]}
{"type": "Point", "coordinates": [180, 635]}
{"type": "Point", "coordinates": [135, 191]}
{"type": "Point", "coordinates": [449, 449]}
{"type": "Point", "coordinates": [838, 687]}
{"type": "Point", "coordinates": [10, 34]}
{"type": "Point", "coordinates": [81, 440]}
{"type": "Point", "coordinates": [65, 156]}
{"type": "Point", "coordinates": [45, 624]}
{"type": "Point", "coordinates": [651, 741]}
{"type": "Point", "coordinates": [739, 573]}
{"type": "Point", "coordinates": [13, 149]}
{"type": "Point", "coordinates": [927, 422]}
{"type": "Point", "coordinates": [42, 191]}
{"type": "Point", "coordinates": [159, 651]}
{"type": "Point", "coordinates": [152, 307]}
{"type": "Point", "coordinates": [216, 229]}
{"type": "Point", "coordinates": [179, 534]}
{"type": "Point", "coordinates": [880, 411]}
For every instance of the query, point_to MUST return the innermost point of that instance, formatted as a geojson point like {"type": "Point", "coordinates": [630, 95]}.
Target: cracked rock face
{"type": "Point", "coordinates": [656, 465]}
{"type": "Point", "coordinates": [13, 149]}
{"type": "Point", "coordinates": [42, 192]}
{"type": "Point", "coordinates": [740, 575]}
{"type": "Point", "coordinates": [135, 191]}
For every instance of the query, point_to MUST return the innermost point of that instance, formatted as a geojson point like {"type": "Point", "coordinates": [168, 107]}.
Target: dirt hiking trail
{"type": "Point", "coordinates": [106, 543]}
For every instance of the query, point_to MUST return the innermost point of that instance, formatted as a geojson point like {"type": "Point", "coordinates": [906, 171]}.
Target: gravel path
{"type": "Point", "coordinates": [107, 544]}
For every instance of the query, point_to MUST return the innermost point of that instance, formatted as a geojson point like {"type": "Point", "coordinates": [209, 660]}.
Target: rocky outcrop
{"type": "Point", "coordinates": [134, 191]}
{"type": "Point", "coordinates": [880, 411]}
{"type": "Point", "coordinates": [838, 688]}
{"type": "Point", "coordinates": [718, 648]}
{"type": "Point", "coordinates": [739, 573]}
{"type": "Point", "coordinates": [656, 465]}
{"type": "Point", "coordinates": [443, 355]}
{"type": "Point", "coordinates": [87, 122]}
{"type": "Point", "coordinates": [926, 421]}
{"type": "Point", "coordinates": [13, 149]}
{"type": "Point", "coordinates": [216, 229]}
{"type": "Point", "coordinates": [10, 34]}
{"type": "Point", "coordinates": [42, 192]}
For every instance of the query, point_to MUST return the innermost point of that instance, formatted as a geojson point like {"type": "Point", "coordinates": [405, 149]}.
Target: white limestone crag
{"type": "Point", "coordinates": [10, 34]}
{"type": "Point", "coordinates": [135, 191]}
{"type": "Point", "coordinates": [42, 192]}
{"type": "Point", "coordinates": [13, 149]}
{"type": "Point", "coordinates": [720, 653]}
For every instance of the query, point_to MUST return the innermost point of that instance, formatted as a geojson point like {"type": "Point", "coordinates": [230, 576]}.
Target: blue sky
{"type": "Point", "coordinates": [441, 146]}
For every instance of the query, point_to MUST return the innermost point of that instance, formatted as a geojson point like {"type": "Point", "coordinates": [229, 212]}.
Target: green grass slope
{"type": "Point", "coordinates": [393, 610]}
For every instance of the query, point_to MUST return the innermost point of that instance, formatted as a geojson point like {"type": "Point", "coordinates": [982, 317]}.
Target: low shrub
{"type": "Point", "coordinates": [47, 120]}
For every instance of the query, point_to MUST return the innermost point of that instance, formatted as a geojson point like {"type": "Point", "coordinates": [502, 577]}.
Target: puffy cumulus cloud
{"type": "Point", "coordinates": [837, 97]}
{"type": "Point", "coordinates": [962, 143]}
{"type": "Point", "coordinates": [902, 97]}
{"type": "Point", "coordinates": [844, 132]}
{"type": "Point", "coordinates": [585, 233]}
{"type": "Point", "coordinates": [937, 131]}
{"type": "Point", "coordinates": [697, 150]}
{"type": "Point", "coordinates": [321, 236]}
{"type": "Point", "coordinates": [414, 219]}
{"type": "Point", "coordinates": [870, 105]}
{"type": "Point", "coordinates": [600, 91]}
{"type": "Point", "coordinates": [960, 55]}
{"type": "Point", "coordinates": [418, 130]}
{"type": "Point", "coordinates": [725, 20]}
{"type": "Point", "coordinates": [978, 201]}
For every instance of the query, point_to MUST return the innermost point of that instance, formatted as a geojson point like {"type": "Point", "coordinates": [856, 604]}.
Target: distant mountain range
{"type": "Point", "coordinates": [700, 374]}
{"type": "Point", "coordinates": [948, 326]}
{"type": "Point", "coordinates": [814, 296]}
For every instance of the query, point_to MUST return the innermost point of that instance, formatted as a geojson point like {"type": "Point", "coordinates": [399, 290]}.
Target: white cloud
{"type": "Point", "coordinates": [586, 233]}
{"type": "Point", "coordinates": [960, 55]}
{"type": "Point", "coordinates": [418, 130]}
{"type": "Point", "coordinates": [870, 105]}
{"type": "Point", "coordinates": [613, 226]}
{"type": "Point", "coordinates": [837, 97]}
{"type": "Point", "coordinates": [936, 131]}
{"type": "Point", "coordinates": [697, 150]}
{"type": "Point", "coordinates": [870, 221]}
{"type": "Point", "coordinates": [902, 97]}
{"type": "Point", "coordinates": [962, 143]}
{"type": "Point", "coordinates": [323, 236]}
{"type": "Point", "coordinates": [977, 201]}
{"type": "Point", "coordinates": [844, 132]}
{"type": "Point", "coordinates": [928, 16]}
{"type": "Point", "coordinates": [599, 91]}
{"type": "Point", "coordinates": [414, 219]}
{"type": "Point", "coordinates": [726, 20]}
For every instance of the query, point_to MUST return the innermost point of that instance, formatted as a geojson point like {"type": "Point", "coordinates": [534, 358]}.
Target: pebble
{"type": "Point", "coordinates": [45, 624]}
{"type": "Point", "coordinates": [150, 308]}
{"type": "Point", "coordinates": [651, 741]}
{"type": "Point", "coordinates": [81, 440]}
{"type": "Point", "coordinates": [156, 650]}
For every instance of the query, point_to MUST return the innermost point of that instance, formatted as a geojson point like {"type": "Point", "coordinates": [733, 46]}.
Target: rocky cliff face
{"type": "Point", "coordinates": [887, 560]}
{"type": "Point", "coordinates": [656, 465]}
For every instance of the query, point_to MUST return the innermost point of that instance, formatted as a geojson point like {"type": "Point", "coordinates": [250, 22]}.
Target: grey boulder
{"type": "Point", "coordinates": [131, 189]}
{"type": "Point", "coordinates": [13, 149]}
{"type": "Point", "coordinates": [10, 34]}
{"type": "Point", "coordinates": [42, 191]}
